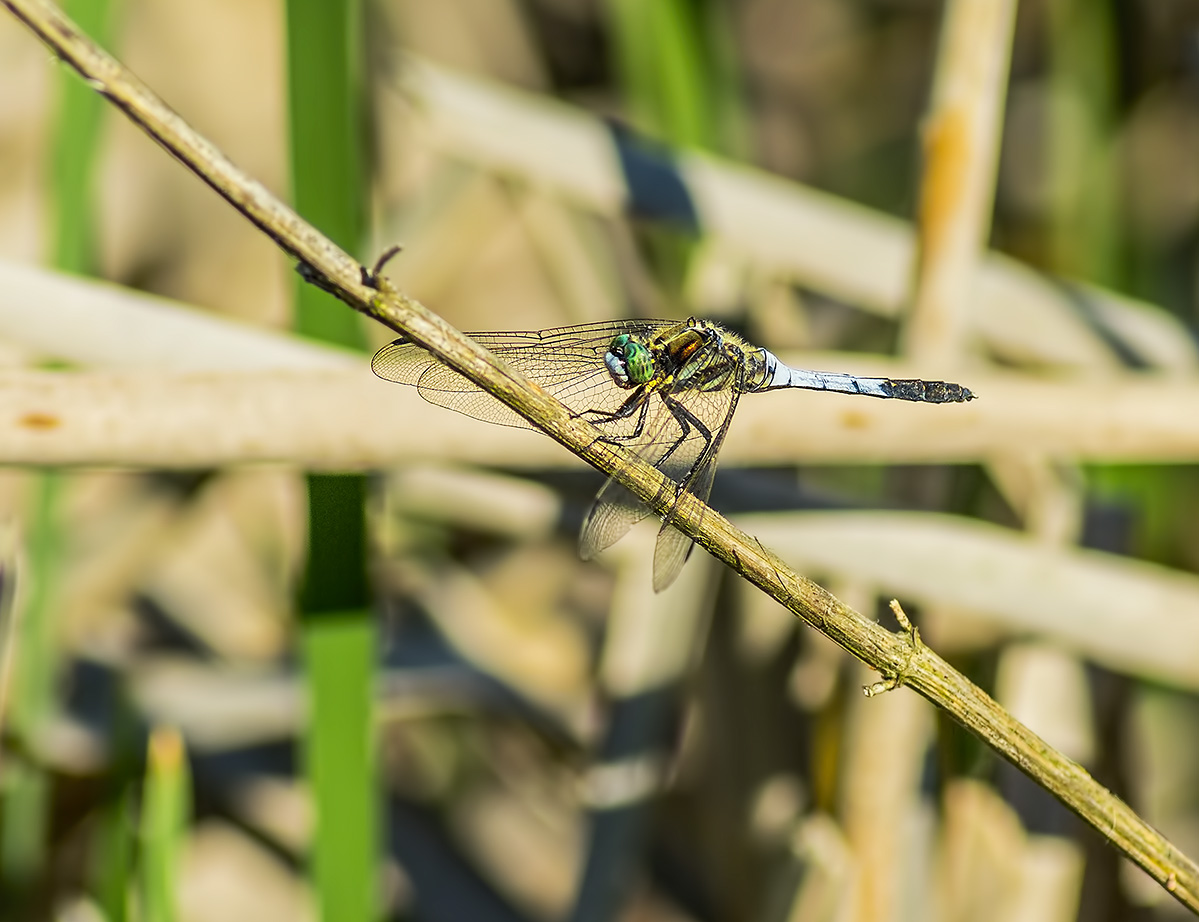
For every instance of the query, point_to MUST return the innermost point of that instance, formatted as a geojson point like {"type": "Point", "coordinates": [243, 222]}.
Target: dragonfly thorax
{"type": "Point", "coordinates": [629, 362]}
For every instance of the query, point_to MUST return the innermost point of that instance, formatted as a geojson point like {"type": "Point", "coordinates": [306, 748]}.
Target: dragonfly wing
{"type": "Point", "coordinates": [615, 509]}
{"type": "Point", "coordinates": [568, 362]}
{"type": "Point", "coordinates": [613, 513]}
{"type": "Point", "coordinates": [681, 438]}
{"type": "Point", "coordinates": [714, 409]}
{"type": "Point", "coordinates": [673, 547]}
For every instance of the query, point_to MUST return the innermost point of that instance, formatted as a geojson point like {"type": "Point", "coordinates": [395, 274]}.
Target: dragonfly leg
{"type": "Point", "coordinates": [637, 403]}
{"type": "Point", "coordinates": [687, 421]}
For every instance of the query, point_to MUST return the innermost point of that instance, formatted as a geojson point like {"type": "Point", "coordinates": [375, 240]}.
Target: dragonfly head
{"type": "Point", "coordinates": [629, 361]}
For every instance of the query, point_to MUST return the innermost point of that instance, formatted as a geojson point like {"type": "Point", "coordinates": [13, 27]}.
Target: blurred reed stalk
{"type": "Point", "coordinates": [179, 421]}
{"type": "Point", "coordinates": [961, 135]}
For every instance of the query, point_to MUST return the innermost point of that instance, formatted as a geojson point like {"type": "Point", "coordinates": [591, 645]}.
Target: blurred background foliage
{"type": "Point", "coordinates": [204, 721]}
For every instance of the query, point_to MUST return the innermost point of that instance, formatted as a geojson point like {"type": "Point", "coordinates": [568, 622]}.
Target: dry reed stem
{"type": "Point", "coordinates": [886, 743]}
{"type": "Point", "coordinates": [890, 654]}
{"type": "Point", "coordinates": [329, 419]}
{"type": "Point", "coordinates": [961, 155]}
{"type": "Point", "coordinates": [886, 746]}
{"type": "Point", "coordinates": [90, 322]}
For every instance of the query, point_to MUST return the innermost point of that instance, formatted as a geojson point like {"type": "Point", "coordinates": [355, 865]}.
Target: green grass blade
{"type": "Point", "coordinates": [660, 62]}
{"type": "Point", "coordinates": [327, 133]}
{"type": "Point", "coordinates": [74, 151]}
{"type": "Point", "coordinates": [1082, 125]}
{"type": "Point", "coordinates": [339, 652]}
{"type": "Point", "coordinates": [26, 791]}
{"type": "Point", "coordinates": [112, 858]}
{"type": "Point", "coordinates": [166, 811]}
{"type": "Point", "coordinates": [325, 85]}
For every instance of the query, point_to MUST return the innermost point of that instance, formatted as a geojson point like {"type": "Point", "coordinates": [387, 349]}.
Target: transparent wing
{"type": "Point", "coordinates": [615, 509]}
{"type": "Point", "coordinates": [678, 430]}
{"type": "Point", "coordinates": [673, 547]}
{"type": "Point", "coordinates": [568, 362]}
{"type": "Point", "coordinates": [682, 437]}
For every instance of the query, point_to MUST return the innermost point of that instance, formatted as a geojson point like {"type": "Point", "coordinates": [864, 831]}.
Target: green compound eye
{"type": "Point", "coordinates": [629, 361]}
{"type": "Point", "coordinates": [639, 362]}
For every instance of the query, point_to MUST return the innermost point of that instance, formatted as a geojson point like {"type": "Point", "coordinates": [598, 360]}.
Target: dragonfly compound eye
{"type": "Point", "coordinates": [629, 362]}
{"type": "Point", "coordinates": [639, 362]}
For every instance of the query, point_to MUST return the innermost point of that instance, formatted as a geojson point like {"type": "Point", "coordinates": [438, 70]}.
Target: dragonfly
{"type": "Point", "coordinates": [665, 389]}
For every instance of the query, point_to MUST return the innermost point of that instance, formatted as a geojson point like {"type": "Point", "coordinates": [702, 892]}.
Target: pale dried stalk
{"type": "Point", "coordinates": [899, 657]}
{"type": "Point", "coordinates": [89, 322]}
{"type": "Point", "coordinates": [330, 419]}
{"type": "Point", "coordinates": [961, 154]}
